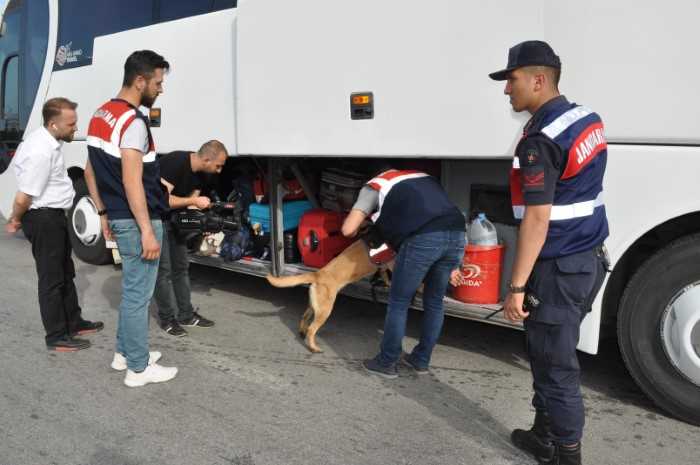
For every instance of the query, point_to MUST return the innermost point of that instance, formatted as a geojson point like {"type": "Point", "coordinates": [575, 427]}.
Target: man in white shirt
{"type": "Point", "coordinates": [44, 194]}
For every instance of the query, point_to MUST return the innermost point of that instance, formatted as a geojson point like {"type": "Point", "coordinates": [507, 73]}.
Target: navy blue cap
{"type": "Point", "coordinates": [528, 53]}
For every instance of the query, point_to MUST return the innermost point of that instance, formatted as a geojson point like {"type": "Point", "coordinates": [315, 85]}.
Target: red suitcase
{"type": "Point", "coordinates": [320, 238]}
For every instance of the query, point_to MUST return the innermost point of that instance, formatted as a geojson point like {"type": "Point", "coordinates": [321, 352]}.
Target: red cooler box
{"type": "Point", "coordinates": [481, 269]}
{"type": "Point", "coordinates": [320, 238]}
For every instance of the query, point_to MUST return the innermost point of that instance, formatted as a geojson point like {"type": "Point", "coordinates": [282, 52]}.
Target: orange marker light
{"type": "Point", "coordinates": [360, 99]}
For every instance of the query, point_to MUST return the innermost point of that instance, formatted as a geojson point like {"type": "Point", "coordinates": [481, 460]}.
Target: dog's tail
{"type": "Point", "coordinates": [291, 281]}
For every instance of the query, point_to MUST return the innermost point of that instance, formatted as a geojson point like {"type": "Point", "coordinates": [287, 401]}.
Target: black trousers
{"type": "Point", "coordinates": [47, 230]}
{"type": "Point", "coordinates": [559, 294]}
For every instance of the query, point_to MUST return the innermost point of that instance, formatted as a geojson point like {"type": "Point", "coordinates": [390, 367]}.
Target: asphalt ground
{"type": "Point", "coordinates": [249, 393]}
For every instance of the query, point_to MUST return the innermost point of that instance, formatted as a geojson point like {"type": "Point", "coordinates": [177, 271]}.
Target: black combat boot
{"type": "Point", "coordinates": [537, 440]}
{"type": "Point", "coordinates": [569, 455]}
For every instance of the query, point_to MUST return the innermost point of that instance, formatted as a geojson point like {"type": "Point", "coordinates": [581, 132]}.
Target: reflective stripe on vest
{"type": "Point", "coordinates": [386, 181]}
{"type": "Point", "coordinates": [108, 125]}
{"type": "Point", "coordinates": [566, 212]}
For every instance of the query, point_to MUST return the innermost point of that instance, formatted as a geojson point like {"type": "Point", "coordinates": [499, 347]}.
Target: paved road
{"type": "Point", "coordinates": [249, 393]}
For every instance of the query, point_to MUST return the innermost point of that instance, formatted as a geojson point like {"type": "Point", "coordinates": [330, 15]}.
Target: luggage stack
{"type": "Point", "coordinates": [312, 236]}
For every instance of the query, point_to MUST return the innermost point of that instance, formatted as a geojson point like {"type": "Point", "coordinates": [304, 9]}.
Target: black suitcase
{"type": "Point", "coordinates": [339, 189]}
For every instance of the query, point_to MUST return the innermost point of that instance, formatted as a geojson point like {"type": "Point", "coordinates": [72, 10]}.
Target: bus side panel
{"type": "Point", "coordinates": [427, 64]}
{"type": "Point", "coordinates": [631, 62]}
{"type": "Point", "coordinates": [198, 99]}
{"type": "Point", "coordinates": [644, 187]}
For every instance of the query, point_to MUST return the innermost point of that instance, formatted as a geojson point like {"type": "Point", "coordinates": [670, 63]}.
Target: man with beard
{"type": "Point", "coordinates": [44, 194]}
{"type": "Point", "coordinates": [123, 177]}
{"type": "Point", "coordinates": [180, 175]}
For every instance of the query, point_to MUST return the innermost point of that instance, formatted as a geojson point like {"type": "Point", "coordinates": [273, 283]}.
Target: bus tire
{"type": "Point", "coordinates": [95, 252]}
{"type": "Point", "coordinates": [658, 311]}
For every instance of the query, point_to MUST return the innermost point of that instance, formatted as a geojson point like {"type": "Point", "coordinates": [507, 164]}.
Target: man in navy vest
{"type": "Point", "coordinates": [415, 218]}
{"type": "Point", "coordinates": [123, 178]}
{"type": "Point", "coordinates": [560, 264]}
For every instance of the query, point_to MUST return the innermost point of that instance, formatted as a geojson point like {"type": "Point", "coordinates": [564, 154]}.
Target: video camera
{"type": "Point", "coordinates": [220, 216]}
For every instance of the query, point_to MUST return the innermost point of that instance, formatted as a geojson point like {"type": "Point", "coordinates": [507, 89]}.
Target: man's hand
{"type": "Point", "coordinates": [150, 245]}
{"type": "Point", "coordinates": [456, 278]}
{"type": "Point", "coordinates": [353, 222]}
{"type": "Point", "coordinates": [202, 202]}
{"type": "Point", "coordinates": [13, 226]}
{"type": "Point", "coordinates": [513, 307]}
{"type": "Point", "coordinates": [106, 231]}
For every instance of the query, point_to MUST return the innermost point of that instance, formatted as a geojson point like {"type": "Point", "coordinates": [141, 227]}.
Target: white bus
{"type": "Point", "coordinates": [272, 79]}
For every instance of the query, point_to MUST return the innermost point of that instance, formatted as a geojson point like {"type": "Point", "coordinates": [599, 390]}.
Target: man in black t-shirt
{"type": "Point", "coordinates": [179, 176]}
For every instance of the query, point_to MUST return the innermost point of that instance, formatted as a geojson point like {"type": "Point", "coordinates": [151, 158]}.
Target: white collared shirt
{"type": "Point", "coordinates": [41, 171]}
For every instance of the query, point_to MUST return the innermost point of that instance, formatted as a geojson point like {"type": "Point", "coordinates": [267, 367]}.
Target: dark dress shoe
{"type": "Point", "coordinates": [88, 327]}
{"type": "Point", "coordinates": [67, 344]}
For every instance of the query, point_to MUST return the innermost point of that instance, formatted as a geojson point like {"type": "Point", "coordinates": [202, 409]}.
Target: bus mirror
{"type": "Point", "coordinates": [3, 27]}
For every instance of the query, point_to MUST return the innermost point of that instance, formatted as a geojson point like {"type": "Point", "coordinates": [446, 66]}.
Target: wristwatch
{"type": "Point", "coordinates": [516, 289]}
{"type": "Point", "coordinates": [101, 212]}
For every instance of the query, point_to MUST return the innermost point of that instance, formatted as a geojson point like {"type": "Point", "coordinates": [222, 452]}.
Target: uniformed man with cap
{"type": "Point", "coordinates": [560, 264]}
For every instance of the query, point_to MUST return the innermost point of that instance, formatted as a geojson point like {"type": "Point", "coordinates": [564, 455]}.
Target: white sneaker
{"type": "Point", "coordinates": [119, 361]}
{"type": "Point", "coordinates": [152, 374]}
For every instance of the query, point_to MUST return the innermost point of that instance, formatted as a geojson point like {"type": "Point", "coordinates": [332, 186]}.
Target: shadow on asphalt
{"type": "Point", "coordinates": [604, 373]}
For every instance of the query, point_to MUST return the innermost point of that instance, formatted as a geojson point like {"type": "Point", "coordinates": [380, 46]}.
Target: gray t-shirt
{"type": "Point", "coordinates": [136, 137]}
{"type": "Point", "coordinates": [367, 200]}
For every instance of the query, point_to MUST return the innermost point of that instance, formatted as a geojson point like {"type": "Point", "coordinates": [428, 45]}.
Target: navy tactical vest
{"type": "Point", "coordinates": [578, 221]}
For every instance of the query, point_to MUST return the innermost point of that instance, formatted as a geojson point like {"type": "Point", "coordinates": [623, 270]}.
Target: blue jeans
{"type": "Point", "coordinates": [426, 258]}
{"type": "Point", "coordinates": [138, 282]}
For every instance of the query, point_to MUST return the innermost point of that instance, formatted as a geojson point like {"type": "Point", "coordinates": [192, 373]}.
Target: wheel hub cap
{"type": "Point", "coordinates": [680, 332]}
{"type": "Point", "coordinates": [86, 222]}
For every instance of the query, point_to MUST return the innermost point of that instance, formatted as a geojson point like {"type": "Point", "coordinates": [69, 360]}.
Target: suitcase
{"type": "Point", "coordinates": [291, 214]}
{"type": "Point", "coordinates": [320, 239]}
{"type": "Point", "coordinates": [291, 187]}
{"type": "Point", "coordinates": [339, 189]}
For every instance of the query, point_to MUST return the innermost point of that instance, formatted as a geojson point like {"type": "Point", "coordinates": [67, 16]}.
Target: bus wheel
{"type": "Point", "coordinates": [658, 328]}
{"type": "Point", "coordinates": [84, 228]}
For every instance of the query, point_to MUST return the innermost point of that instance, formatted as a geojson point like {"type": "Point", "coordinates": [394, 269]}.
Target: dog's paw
{"type": "Point", "coordinates": [313, 348]}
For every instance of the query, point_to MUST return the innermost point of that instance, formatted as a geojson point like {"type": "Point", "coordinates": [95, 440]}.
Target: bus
{"type": "Point", "coordinates": [273, 80]}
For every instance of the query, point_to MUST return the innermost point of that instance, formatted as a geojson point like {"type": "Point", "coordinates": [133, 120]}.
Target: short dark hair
{"type": "Point", "coordinates": [212, 148]}
{"type": "Point", "coordinates": [553, 73]}
{"type": "Point", "coordinates": [142, 63]}
{"type": "Point", "coordinates": [54, 106]}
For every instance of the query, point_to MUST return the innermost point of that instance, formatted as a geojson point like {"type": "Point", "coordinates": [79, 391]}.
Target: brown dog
{"type": "Point", "coordinates": [351, 265]}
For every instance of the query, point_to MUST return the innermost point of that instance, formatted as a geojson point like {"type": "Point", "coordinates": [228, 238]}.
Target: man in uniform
{"type": "Point", "coordinates": [560, 264]}
{"type": "Point", "coordinates": [179, 176]}
{"type": "Point", "coordinates": [417, 220]}
{"type": "Point", "coordinates": [124, 181]}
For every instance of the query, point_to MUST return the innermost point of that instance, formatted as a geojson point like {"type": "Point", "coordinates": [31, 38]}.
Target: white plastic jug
{"type": "Point", "coordinates": [482, 231]}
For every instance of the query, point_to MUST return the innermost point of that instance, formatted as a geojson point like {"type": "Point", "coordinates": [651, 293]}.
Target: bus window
{"type": "Point", "coordinates": [9, 42]}
{"type": "Point", "coordinates": [169, 10]}
{"type": "Point", "coordinates": [36, 38]}
{"type": "Point", "coordinates": [80, 21]}
{"type": "Point", "coordinates": [223, 4]}
{"type": "Point", "coordinates": [9, 74]}
{"type": "Point", "coordinates": [175, 9]}
{"type": "Point", "coordinates": [10, 92]}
